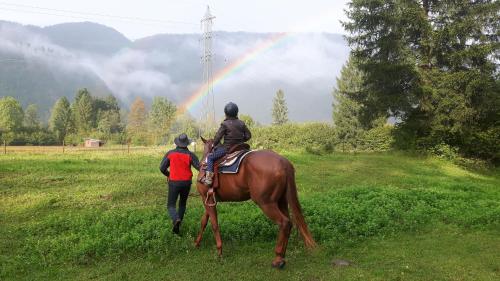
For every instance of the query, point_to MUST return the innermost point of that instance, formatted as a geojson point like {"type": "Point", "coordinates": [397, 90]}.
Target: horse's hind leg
{"type": "Point", "coordinates": [272, 210]}
{"type": "Point", "coordinates": [204, 221]}
{"type": "Point", "coordinates": [283, 206]}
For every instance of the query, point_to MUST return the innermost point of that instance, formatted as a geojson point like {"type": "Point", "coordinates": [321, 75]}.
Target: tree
{"type": "Point", "coordinates": [248, 120]}
{"type": "Point", "coordinates": [31, 118]}
{"type": "Point", "coordinates": [61, 119]}
{"type": "Point", "coordinates": [84, 113]}
{"type": "Point", "coordinates": [136, 122]}
{"type": "Point", "coordinates": [280, 109]}
{"type": "Point", "coordinates": [108, 119]}
{"type": "Point", "coordinates": [433, 65]}
{"type": "Point", "coordinates": [382, 36]}
{"type": "Point", "coordinates": [161, 117]}
{"type": "Point", "coordinates": [108, 123]}
{"type": "Point", "coordinates": [185, 123]}
{"type": "Point", "coordinates": [346, 110]}
{"type": "Point", "coordinates": [11, 118]}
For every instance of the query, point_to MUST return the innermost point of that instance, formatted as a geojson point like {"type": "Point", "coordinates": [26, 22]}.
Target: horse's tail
{"type": "Point", "coordinates": [293, 202]}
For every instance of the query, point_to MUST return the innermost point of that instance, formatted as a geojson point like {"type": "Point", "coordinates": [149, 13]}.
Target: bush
{"type": "Point", "coordinates": [315, 136]}
{"type": "Point", "coordinates": [38, 136]}
{"type": "Point", "coordinates": [445, 151]}
{"type": "Point", "coordinates": [377, 139]}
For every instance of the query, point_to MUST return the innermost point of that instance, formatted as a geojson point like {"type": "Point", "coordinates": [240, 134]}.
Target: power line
{"type": "Point", "coordinates": [12, 60]}
{"type": "Point", "coordinates": [78, 17]}
{"type": "Point", "coordinates": [109, 16]}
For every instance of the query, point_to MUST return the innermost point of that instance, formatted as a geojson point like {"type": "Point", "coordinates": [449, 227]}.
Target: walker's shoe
{"type": "Point", "coordinates": [209, 176]}
{"type": "Point", "coordinates": [176, 227]}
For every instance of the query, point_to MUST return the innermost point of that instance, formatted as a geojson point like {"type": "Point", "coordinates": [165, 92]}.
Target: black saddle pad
{"type": "Point", "coordinates": [231, 166]}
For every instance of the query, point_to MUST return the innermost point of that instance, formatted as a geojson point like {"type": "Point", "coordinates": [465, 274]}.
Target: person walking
{"type": "Point", "coordinates": [179, 177]}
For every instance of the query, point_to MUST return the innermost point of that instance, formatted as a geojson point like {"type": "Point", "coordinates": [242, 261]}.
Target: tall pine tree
{"type": "Point", "coordinates": [83, 112]}
{"type": "Point", "coordinates": [280, 109]}
{"type": "Point", "coordinates": [346, 110]}
{"type": "Point", "coordinates": [433, 64]}
{"type": "Point", "coordinates": [61, 119]}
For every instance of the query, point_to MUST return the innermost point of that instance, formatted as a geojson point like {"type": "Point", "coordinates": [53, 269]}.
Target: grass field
{"type": "Point", "coordinates": [101, 215]}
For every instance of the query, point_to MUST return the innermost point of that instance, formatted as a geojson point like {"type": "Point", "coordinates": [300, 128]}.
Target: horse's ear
{"type": "Point", "coordinates": [203, 139]}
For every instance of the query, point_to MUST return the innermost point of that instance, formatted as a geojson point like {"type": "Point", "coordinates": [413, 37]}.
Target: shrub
{"type": "Point", "coordinates": [292, 136]}
{"type": "Point", "coordinates": [445, 151]}
{"type": "Point", "coordinates": [377, 139]}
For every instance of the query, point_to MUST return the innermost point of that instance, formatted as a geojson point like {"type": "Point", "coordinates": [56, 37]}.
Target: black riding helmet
{"type": "Point", "coordinates": [231, 110]}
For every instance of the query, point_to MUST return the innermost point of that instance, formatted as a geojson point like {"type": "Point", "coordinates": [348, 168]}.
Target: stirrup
{"type": "Point", "coordinates": [210, 192]}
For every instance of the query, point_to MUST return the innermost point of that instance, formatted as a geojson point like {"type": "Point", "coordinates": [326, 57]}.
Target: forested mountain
{"type": "Point", "coordinates": [39, 65]}
{"type": "Point", "coordinates": [87, 36]}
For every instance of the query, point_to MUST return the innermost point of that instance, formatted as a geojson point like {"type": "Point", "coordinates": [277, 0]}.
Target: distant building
{"type": "Point", "coordinates": [93, 143]}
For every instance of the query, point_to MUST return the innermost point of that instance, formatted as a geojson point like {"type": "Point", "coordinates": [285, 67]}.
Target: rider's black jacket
{"type": "Point", "coordinates": [234, 131]}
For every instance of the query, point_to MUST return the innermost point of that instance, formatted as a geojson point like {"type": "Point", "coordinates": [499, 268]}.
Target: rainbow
{"type": "Point", "coordinates": [232, 68]}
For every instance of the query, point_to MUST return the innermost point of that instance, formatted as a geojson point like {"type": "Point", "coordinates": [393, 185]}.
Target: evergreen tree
{"type": "Point", "coordinates": [111, 103]}
{"type": "Point", "coordinates": [433, 65]}
{"type": "Point", "coordinates": [83, 111]}
{"type": "Point", "coordinates": [346, 110]}
{"type": "Point", "coordinates": [161, 117]}
{"type": "Point", "coordinates": [61, 119]}
{"type": "Point", "coordinates": [108, 119]}
{"type": "Point", "coordinates": [31, 118]}
{"type": "Point", "coordinates": [108, 123]}
{"type": "Point", "coordinates": [280, 109]}
{"type": "Point", "coordinates": [137, 122]}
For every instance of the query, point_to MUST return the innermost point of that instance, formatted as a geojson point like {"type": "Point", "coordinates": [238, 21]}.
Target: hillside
{"type": "Point", "coordinates": [55, 61]}
{"type": "Point", "coordinates": [87, 36]}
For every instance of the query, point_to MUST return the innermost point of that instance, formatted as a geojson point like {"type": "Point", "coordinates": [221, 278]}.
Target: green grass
{"type": "Point", "coordinates": [101, 215]}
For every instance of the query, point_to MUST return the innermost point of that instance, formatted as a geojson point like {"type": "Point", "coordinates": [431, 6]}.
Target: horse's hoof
{"type": "Point", "coordinates": [279, 265]}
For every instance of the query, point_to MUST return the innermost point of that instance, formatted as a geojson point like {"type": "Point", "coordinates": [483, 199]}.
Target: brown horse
{"type": "Point", "coordinates": [269, 180]}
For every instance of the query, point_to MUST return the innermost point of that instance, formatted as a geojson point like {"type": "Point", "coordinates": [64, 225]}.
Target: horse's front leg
{"type": "Point", "coordinates": [212, 213]}
{"type": "Point", "coordinates": [204, 221]}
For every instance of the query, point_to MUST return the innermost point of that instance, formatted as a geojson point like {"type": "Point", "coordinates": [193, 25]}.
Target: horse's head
{"type": "Point", "coordinates": [207, 146]}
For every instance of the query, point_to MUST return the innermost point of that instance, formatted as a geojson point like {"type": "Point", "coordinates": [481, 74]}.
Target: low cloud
{"type": "Point", "coordinates": [303, 65]}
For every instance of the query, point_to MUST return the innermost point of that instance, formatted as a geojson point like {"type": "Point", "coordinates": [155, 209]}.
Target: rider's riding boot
{"type": "Point", "coordinates": [209, 176]}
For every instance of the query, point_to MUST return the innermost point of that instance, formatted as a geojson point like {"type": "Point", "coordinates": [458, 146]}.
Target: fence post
{"type": "Point", "coordinates": [4, 147]}
{"type": "Point", "coordinates": [128, 147]}
{"type": "Point", "coordinates": [63, 146]}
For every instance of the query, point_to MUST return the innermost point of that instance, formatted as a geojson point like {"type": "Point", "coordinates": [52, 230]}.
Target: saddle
{"type": "Point", "coordinates": [230, 163]}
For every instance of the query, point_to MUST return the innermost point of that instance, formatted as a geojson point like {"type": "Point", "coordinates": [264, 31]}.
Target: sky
{"type": "Point", "coordinates": [138, 19]}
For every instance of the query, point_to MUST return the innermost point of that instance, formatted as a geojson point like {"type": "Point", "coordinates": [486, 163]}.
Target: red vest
{"type": "Point", "coordinates": [180, 166]}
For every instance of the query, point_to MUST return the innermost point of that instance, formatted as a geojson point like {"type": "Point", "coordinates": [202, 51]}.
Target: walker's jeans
{"type": "Point", "coordinates": [175, 190]}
